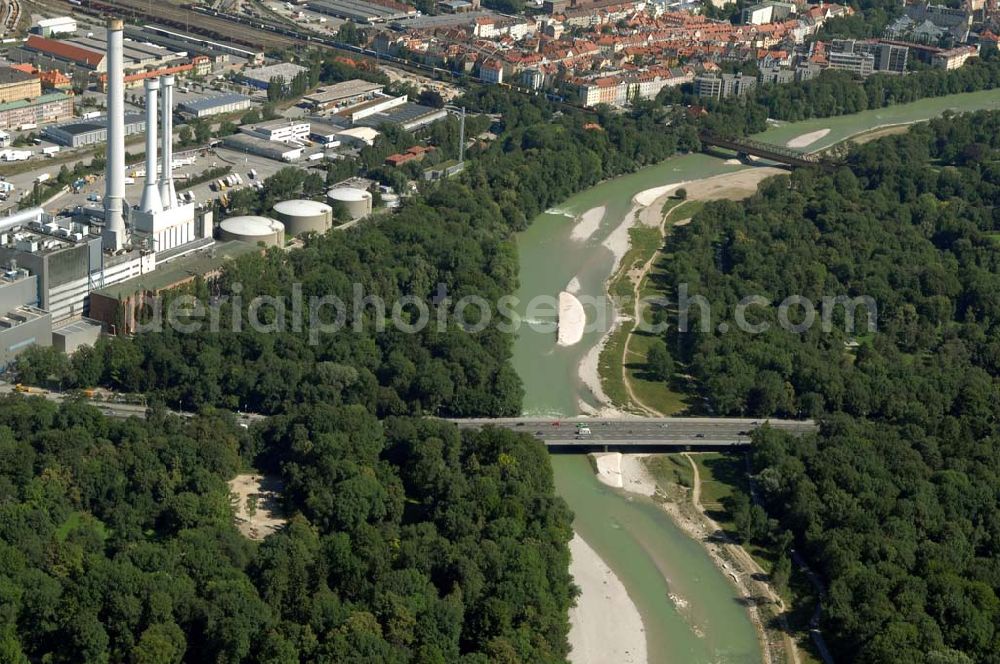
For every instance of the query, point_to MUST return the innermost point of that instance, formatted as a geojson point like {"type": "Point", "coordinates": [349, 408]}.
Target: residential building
{"type": "Point", "coordinates": [52, 107]}
{"type": "Point", "coordinates": [768, 12]}
{"type": "Point", "coordinates": [15, 84]}
{"type": "Point", "coordinates": [955, 57]}
{"type": "Point", "coordinates": [491, 71]}
{"type": "Point", "coordinates": [724, 85]}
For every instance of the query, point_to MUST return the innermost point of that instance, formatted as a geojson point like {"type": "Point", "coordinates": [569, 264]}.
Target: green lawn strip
{"type": "Point", "coordinates": [609, 367]}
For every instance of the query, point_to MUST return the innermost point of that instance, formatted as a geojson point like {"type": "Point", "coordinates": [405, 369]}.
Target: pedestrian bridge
{"type": "Point", "coordinates": [586, 434]}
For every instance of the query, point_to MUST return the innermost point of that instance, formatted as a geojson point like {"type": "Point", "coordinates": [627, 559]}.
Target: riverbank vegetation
{"type": "Point", "coordinates": [407, 542]}
{"type": "Point", "coordinates": [894, 501]}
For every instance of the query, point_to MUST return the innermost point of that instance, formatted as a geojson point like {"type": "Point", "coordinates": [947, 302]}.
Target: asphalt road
{"type": "Point", "coordinates": [680, 431]}
{"type": "Point", "coordinates": [710, 432]}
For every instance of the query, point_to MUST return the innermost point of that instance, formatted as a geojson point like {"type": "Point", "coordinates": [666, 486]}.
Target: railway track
{"type": "Point", "coordinates": [261, 32]}
{"type": "Point", "coordinates": [204, 23]}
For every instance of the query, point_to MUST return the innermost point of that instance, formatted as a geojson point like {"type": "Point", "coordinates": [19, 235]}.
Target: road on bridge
{"type": "Point", "coordinates": [572, 433]}
{"type": "Point", "coordinates": [569, 434]}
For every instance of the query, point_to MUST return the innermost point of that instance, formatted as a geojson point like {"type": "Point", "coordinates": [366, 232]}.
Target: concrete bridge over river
{"type": "Point", "coordinates": [559, 434]}
{"type": "Point", "coordinates": [639, 434]}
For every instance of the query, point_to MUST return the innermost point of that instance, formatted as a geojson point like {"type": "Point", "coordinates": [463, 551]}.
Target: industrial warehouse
{"type": "Point", "coordinates": [87, 132]}
{"type": "Point", "coordinates": [230, 102]}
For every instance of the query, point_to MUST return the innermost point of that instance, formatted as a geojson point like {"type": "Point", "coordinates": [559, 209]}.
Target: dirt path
{"type": "Point", "coordinates": [695, 485]}
{"type": "Point", "coordinates": [744, 565]}
{"type": "Point", "coordinates": [637, 278]}
{"type": "Point", "coordinates": [731, 186]}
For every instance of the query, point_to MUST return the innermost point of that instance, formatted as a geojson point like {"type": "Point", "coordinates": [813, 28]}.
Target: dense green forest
{"type": "Point", "coordinates": [896, 502]}
{"type": "Point", "coordinates": [406, 542]}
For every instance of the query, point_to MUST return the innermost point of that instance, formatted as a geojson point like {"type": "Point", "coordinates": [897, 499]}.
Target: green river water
{"type": "Point", "coordinates": [650, 555]}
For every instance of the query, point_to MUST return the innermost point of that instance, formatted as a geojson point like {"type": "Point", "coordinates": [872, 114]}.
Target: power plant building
{"type": "Point", "coordinates": [22, 322]}
{"type": "Point", "coordinates": [68, 258]}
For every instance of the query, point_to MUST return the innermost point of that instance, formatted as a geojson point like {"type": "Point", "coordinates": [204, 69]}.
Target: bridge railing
{"type": "Point", "coordinates": [761, 149]}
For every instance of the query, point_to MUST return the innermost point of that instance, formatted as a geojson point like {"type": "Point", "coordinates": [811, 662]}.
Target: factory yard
{"type": "Point", "coordinates": [204, 160]}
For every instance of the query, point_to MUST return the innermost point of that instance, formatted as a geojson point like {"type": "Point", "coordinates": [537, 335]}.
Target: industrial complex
{"type": "Point", "coordinates": [52, 264]}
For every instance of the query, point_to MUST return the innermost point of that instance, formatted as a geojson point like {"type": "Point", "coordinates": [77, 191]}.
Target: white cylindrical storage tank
{"type": "Point", "coordinates": [253, 229]}
{"type": "Point", "coordinates": [302, 216]}
{"type": "Point", "coordinates": [357, 201]}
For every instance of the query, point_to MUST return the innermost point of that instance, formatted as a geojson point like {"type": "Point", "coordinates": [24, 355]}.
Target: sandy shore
{"type": "Point", "coordinates": [624, 471]}
{"type": "Point", "coordinates": [617, 241]}
{"type": "Point", "coordinates": [649, 196]}
{"type": "Point", "coordinates": [603, 602]}
{"type": "Point", "coordinates": [587, 224]}
{"type": "Point", "coordinates": [805, 140]}
{"type": "Point", "coordinates": [572, 320]}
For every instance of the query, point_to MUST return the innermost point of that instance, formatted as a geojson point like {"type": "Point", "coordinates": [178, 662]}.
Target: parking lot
{"type": "Point", "coordinates": [204, 160]}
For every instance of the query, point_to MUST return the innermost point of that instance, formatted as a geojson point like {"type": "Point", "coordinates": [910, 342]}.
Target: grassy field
{"type": "Point", "coordinates": [77, 519]}
{"type": "Point", "coordinates": [670, 469]}
{"type": "Point", "coordinates": [650, 391]}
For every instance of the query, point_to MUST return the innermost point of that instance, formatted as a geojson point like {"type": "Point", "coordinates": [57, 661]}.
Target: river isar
{"type": "Point", "coordinates": [690, 612]}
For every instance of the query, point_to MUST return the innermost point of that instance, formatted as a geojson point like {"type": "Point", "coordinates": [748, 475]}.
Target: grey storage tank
{"type": "Point", "coordinates": [358, 202]}
{"type": "Point", "coordinates": [303, 216]}
{"type": "Point", "coordinates": [252, 229]}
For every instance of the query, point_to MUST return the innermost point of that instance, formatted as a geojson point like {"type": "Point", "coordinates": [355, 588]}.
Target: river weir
{"type": "Point", "coordinates": [688, 611]}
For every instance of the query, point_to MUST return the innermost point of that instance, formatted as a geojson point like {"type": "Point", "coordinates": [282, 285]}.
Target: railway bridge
{"type": "Point", "coordinates": [750, 147]}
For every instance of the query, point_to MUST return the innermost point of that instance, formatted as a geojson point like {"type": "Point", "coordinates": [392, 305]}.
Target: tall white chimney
{"type": "Point", "coordinates": [114, 191]}
{"type": "Point", "coordinates": [151, 201]}
{"type": "Point", "coordinates": [167, 192]}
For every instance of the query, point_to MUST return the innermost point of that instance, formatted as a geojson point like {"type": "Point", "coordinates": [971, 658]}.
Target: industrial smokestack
{"type": "Point", "coordinates": [167, 192]}
{"type": "Point", "coordinates": [151, 201]}
{"type": "Point", "coordinates": [114, 192]}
